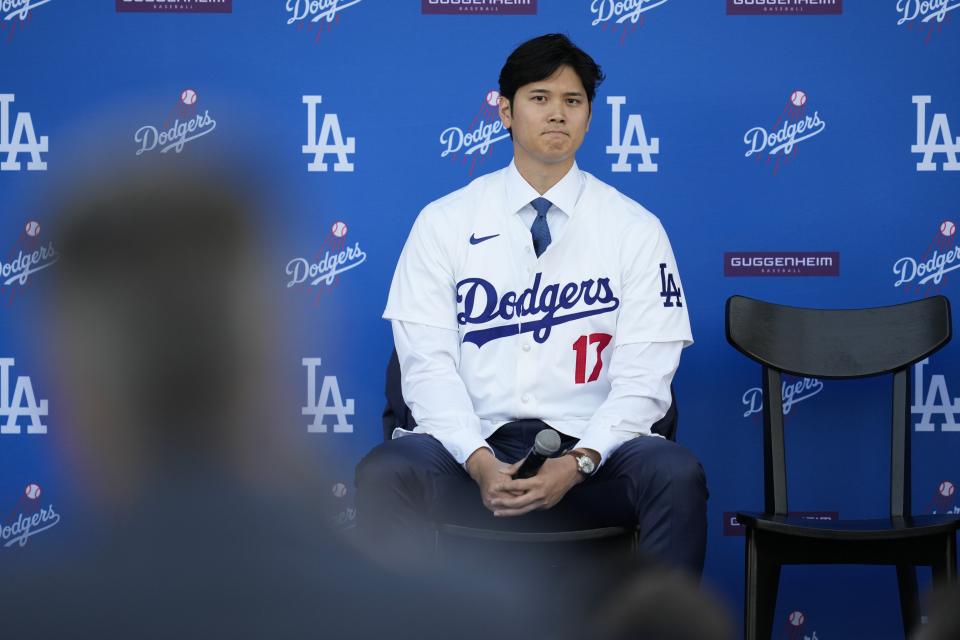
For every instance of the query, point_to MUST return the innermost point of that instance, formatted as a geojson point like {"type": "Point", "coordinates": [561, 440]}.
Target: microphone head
{"type": "Point", "coordinates": [547, 442]}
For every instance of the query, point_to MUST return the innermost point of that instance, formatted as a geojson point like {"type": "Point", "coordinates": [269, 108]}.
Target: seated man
{"type": "Point", "coordinates": [537, 295]}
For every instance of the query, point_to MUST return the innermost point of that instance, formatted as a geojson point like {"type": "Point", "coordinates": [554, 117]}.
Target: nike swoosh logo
{"type": "Point", "coordinates": [475, 240]}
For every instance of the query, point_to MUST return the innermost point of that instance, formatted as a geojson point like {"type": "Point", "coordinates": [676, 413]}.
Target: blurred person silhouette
{"type": "Point", "coordinates": [943, 621]}
{"type": "Point", "coordinates": [201, 516]}
{"type": "Point", "coordinates": [656, 603]}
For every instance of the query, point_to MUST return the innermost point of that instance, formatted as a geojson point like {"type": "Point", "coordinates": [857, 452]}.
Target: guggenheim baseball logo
{"type": "Point", "coordinates": [784, 7]}
{"type": "Point", "coordinates": [781, 263]}
{"type": "Point", "coordinates": [183, 124]}
{"type": "Point", "coordinates": [479, 7]}
{"type": "Point", "coordinates": [23, 139]}
{"type": "Point", "coordinates": [793, 126]}
{"type": "Point", "coordinates": [174, 6]}
{"type": "Point", "coordinates": [328, 403]}
{"type": "Point", "coordinates": [28, 518]}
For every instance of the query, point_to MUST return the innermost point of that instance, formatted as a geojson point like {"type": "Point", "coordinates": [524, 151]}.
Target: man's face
{"type": "Point", "coordinates": [548, 118]}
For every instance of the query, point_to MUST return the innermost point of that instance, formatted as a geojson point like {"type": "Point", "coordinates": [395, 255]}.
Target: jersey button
{"type": "Point", "coordinates": [525, 398]}
{"type": "Point", "coordinates": [526, 346]}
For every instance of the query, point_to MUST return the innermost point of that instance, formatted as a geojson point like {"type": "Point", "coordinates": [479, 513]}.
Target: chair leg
{"type": "Point", "coordinates": [762, 581]}
{"type": "Point", "coordinates": [909, 598]}
{"type": "Point", "coordinates": [945, 572]}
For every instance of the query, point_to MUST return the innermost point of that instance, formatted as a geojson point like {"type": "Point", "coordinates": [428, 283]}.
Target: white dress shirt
{"type": "Point", "coordinates": [586, 337]}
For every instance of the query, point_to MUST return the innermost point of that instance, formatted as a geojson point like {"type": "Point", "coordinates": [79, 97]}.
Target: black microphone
{"type": "Point", "coordinates": [545, 446]}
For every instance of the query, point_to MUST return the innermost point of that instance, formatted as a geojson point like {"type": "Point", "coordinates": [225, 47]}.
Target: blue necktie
{"type": "Point", "coordinates": [539, 229]}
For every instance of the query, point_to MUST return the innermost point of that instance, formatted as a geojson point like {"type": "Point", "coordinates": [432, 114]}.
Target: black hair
{"type": "Point", "coordinates": [540, 58]}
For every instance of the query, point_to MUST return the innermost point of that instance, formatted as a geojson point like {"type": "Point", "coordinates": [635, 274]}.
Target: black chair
{"type": "Point", "coordinates": [397, 414]}
{"type": "Point", "coordinates": [839, 344]}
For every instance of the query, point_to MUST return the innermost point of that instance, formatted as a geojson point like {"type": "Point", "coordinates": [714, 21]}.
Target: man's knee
{"type": "Point", "coordinates": [665, 462]}
{"type": "Point", "coordinates": [394, 460]}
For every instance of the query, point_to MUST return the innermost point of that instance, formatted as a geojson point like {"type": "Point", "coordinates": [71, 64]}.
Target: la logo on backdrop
{"type": "Point", "coordinates": [925, 16]}
{"type": "Point", "coordinates": [781, 142]}
{"type": "Point", "coordinates": [321, 273]}
{"type": "Point", "coordinates": [316, 16]}
{"type": "Point", "coordinates": [15, 15]}
{"type": "Point", "coordinates": [631, 140]}
{"type": "Point", "coordinates": [934, 141]}
{"type": "Point", "coordinates": [27, 518]}
{"type": "Point", "coordinates": [329, 402]}
{"type": "Point", "coordinates": [621, 17]}
{"type": "Point", "coordinates": [23, 139]}
{"type": "Point", "coordinates": [473, 145]}
{"type": "Point", "coordinates": [182, 125]}
{"type": "Point", "coordinates": [23, 404]}
{"type": "Point", "coordinates": [931, 398]}
{"type": "Point", "coordinates": [26, 256]}
{"type": "Point", "coordinates": [330, 141]}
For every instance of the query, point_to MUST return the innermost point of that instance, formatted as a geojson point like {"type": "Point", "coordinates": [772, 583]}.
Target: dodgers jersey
{"type": "Point", "coordinates": [536, 334]}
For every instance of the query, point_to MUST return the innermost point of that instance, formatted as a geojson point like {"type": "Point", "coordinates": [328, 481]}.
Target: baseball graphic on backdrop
{"type": "Point", "coordinates": [33, 228]}
{"type": "Point", "coordinates": [188, 97]}
{"type": "Point", "coordinates": [796, 618]}
{"type": "Point", "coordinates": [339, 490]}
{"type": "Point", "coordinates": [32, 491]}
{"type": "Point", "coordinates": [798, 98]}
{"type": "Point", "coordinates": [946, 489]}
{"type": "Point", "coordinates": [947, 228]}
{"type": "Point", "coordinates": [339, 229]}
{"type": "Point", "coordinates": [492, 98]}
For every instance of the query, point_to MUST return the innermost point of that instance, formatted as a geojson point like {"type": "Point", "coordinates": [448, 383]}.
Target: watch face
{"type": "Point", "coordinates": [585, 463]}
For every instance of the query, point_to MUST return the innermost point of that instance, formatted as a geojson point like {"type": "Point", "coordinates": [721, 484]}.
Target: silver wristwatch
{"type": "Point", "coordinates": [585, 464]}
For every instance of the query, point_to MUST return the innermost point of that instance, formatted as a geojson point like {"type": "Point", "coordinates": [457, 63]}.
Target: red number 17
{"type": "Point", "coordinates": [580, 346]}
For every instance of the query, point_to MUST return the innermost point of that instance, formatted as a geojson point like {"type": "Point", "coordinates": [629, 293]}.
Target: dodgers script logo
{"type": "Point", "coordinates": [330, 141]}
{"type": "Point", "coordinates": [941, 257]}
{"type": "Point", "coordinates": [475, 143]}
{"type": "Point", "coordinates": [944, 500]}
{"type": "Point", "coordinates": [28, 518]}
{"type": "Point", "coordinates": [791, 393]}
{"type": "Point", "coordinates": [792, 127]}
{"type": "Point", "coordinates": [633, 141]}
{"type": "Point", "coordinates": [482, 304]}
{"type": "Point", "coordinates": [22, 140]}
{"type": "Point", "coordinates": [317, 14]}
{"type": "Point", "coordinates": [332, 259]}
{"type": "Point", "coordinates": [174, 133]}
{"type": "Point", "coordinates": [925, 12]}
{"type": "Point", "coordinates": [935, 401]}
{"type": "Point", "coordinates": [621, 16]}
{"type": "Point", "coordinates": [25, 258]}
{"type": "Point", "coordinates": [23, 404]}
{"type": "Point", "coordinates": [328, 403]}
{"type": "Point", "coordinates": [795, 627]}
{"type": "Point", "coordinates": [16, 14]}
{"type": "Point", "coordinates": [935, 140]}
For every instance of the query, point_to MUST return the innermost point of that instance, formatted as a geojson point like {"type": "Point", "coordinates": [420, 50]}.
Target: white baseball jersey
{"type": "Point", "coordinates": [536, 334]}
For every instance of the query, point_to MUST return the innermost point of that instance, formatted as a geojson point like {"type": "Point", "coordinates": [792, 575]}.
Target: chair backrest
{"type": "Point", "coordinates": [836, 343]}
{"type": "Point", "coordinates": [397, 414]}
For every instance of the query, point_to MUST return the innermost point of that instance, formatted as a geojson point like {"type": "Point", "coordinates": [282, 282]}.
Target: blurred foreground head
{"type": "Point", "coordinates": [163, 328]}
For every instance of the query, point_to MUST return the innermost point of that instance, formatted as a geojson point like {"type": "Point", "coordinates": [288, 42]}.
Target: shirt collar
{"type": "Point", "coordinates": [563, 195]}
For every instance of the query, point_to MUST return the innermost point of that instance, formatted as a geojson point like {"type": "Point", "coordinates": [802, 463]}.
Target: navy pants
{"type": "Point", "coordinates": [406, 484]}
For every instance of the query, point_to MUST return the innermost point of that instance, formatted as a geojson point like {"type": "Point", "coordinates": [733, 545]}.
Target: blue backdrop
{"type": "Point", "coordinates": [403, 118]}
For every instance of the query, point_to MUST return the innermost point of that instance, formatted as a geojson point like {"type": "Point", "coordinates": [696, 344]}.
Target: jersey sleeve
{"type": "Point", "coordinates": [422, 290]}
{"type": "Point", "coordinates": [654, 304]}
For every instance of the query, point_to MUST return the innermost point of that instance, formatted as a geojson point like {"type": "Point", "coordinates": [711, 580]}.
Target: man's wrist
{"type": "Point", "coordinates": [476, 460]}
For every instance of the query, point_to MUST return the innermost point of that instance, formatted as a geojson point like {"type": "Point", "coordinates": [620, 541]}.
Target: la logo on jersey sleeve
{"type": "Point", "coordinates": [669, 291]}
